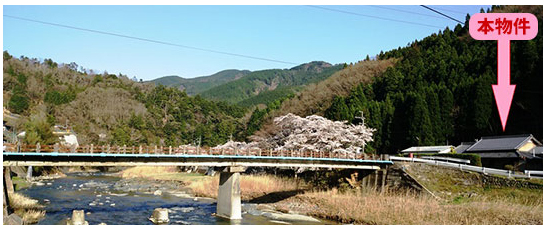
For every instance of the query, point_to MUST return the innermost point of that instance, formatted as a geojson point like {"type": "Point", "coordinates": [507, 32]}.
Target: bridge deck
{"type": "Point", "coordinates": [105, 159]}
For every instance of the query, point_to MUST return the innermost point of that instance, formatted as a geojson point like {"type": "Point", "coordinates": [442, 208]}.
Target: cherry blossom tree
{"type": "Point", "coordinates": [313, 133]}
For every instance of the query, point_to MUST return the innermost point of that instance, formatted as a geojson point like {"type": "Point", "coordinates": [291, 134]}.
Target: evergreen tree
{"type": "Point", "coordinates": [420, 127]}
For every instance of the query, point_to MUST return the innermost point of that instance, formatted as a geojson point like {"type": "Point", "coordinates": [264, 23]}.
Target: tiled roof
{"type": "Point", "coordinates": [463, 147]}
{"type": "Point", "coordinates": [501, 143]}
{"type": "Point", "coordinates": [440, 149]}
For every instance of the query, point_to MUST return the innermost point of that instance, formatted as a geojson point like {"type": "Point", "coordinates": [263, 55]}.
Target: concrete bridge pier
{"type": "Point", "coordinates": [8, 190]}
{"type": "Point", "coordinates": [229, 204]}
{"type": "Point", "coordinates": [375, 180]}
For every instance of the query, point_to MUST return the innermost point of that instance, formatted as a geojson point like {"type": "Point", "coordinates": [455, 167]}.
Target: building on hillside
{"type": "Point", "coordinates": [520, 152]}
{"type": "Point", "coordinates": [66, 135]}
{"type": "Point", "coordinates": [10, 121]}
{"type": "Point", "coordinates": [428, 149]}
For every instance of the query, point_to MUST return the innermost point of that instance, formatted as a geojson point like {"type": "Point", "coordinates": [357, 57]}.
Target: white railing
{"type": "Point", "coordinates": [532, 172]}
{"type": "Point", "coordinates": [484, 170]}
{"type": "Point", "coordinates": [466, 161]}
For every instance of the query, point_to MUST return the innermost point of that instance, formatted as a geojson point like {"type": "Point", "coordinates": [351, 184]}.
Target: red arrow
{"type": "Point", "coordinates": [503, 90]}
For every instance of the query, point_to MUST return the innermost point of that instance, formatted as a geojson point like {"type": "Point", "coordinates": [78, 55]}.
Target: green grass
{"type": "Point", "coordinates": [20, 183]}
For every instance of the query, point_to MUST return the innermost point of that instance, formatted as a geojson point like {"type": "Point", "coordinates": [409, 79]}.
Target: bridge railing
{"type": "Point", "coordinates": [184, 150]}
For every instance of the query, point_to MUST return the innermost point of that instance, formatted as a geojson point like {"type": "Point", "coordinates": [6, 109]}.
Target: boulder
{"type": "Point", "coordinates": [159, 216]}
{"type": "Point", "coordinates": [78, 218]}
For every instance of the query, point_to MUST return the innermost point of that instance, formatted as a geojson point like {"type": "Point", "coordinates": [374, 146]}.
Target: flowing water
{"type": "Point", "coordinates": [96, 194]}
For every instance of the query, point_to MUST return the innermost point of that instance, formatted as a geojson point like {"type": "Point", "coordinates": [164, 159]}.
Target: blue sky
{"type": "Point", "coordinates": [295, 34]}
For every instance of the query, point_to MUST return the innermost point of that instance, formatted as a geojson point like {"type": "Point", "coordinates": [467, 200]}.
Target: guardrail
{"type": "Point", "coordinates": [532, 172]}
{"type": "Point", "coordinates": [484, 170]}
{"type": "Point", "coordinates": [448, 159]}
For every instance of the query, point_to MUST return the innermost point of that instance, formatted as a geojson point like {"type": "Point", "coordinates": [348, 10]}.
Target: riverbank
{"type": "Point", "coordinates": [27, 208]}
{"type": "Point", "coordinates": [490, 205]}
{"type": "Point", "coordinates": [399, 208]}
{"type": "Point", "coordinates": [253, 188]}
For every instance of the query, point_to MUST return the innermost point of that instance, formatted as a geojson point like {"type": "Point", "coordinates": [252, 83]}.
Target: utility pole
{"type": "Point", "coordinates": [363, 124]}
{"type": "Point", "coordinates": [361, 117]}
{"type": "Point", "coordinates": [199, 143]}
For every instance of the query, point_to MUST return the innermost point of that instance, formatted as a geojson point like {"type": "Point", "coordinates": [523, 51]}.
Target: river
{"type": "Point", "coordinates": [99, 195]}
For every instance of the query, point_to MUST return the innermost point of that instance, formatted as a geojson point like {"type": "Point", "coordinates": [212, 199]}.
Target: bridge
{"type": "Point", "coordinates": [231, 162]}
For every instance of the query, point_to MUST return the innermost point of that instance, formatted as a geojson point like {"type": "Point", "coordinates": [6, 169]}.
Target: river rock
{"type": "Point", "coordinates": [289, 217]}
{"type": "Point", "coordinates": [119, 194]}
{"type": "Point", "coordinates": [182, 209]}
{"type": "Point", "coordinates": [279, 222]}
{"type": "Point", "coordinates": [254, 212]}
{"type": "Point", "coordinates": [159, 216]}
{"type": "Point", "coordinates": [113, 204]}
{"type": "Point", "coordinates": [49, 183]}
{"type": "Point", "coordinates": [78, 218]}
{"type": "Point", "coordinates": [39, 184]}
{"type": "Point", "coordinates": [265, 207]}
{"type": "Point", "coordinates": [92, 204]}
{"type": "Point", "coordinates": [158, 192]}
{"type": "Point", "coordinates": [181, 195]}
{"type": "Point", "coordinates": [181, 222]}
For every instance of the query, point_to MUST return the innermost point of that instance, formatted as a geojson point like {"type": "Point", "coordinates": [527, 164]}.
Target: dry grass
{"type": "Point", "coordinates": [31, 216]}
{"type": "Point", "coordinates": [19, 201]}
{"type": "Point", "coordinates": [148, 171]}
{"type": "Point", "coordinates": [29, 209]}
{"type": "Point", "coordinates": [250, 186]}
{"type": "Point", "coordinates": [392, 208]}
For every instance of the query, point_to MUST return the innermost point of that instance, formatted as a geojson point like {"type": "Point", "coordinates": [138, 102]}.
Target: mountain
{"type": "Point", "coordinates": [111, 109]}
{"type": "Point", "coordinates": [260, 83]}
{"type": "Point", "coordinates": [196, 85]}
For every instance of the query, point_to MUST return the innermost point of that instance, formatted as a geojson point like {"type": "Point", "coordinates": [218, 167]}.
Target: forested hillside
{"type": "Point", "coordinates": [316, 98]}
{"type": "Point", "coordinates": [110, 109]}
{"type": "Point", "coordinates": [440, 91]}
{"type": "Point", "coordinates": [194, 86]}
{"type": "Point", "coordinates": [270, 85]}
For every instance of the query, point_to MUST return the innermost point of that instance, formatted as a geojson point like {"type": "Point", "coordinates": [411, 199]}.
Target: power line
{"type": "Point", "coordinates": [150, 40]}
{"type": "Point", "coordinates": [443, 14]}
{"type": "Point", "coordinates": [371, 16]}
{"type": "Point", "coordinates": [406, 11]}
{"type": "Point", "coordinates": [448, 10]}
